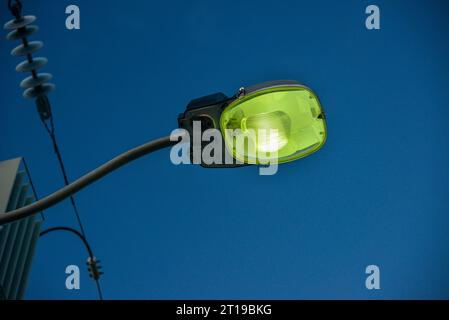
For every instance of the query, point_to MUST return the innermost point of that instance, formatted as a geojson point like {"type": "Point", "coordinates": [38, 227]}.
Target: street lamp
{"type": "Point", "coordinates": [276, 121]}
{"type": "Point", "coordinates": [292, 110]}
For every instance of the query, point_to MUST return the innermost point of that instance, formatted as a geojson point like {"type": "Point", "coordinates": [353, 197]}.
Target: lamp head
{"type": "Point", "coordinates": [274, 121]}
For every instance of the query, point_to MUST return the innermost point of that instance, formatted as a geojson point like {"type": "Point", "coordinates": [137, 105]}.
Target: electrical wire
{"type": "Point", "coordinates": [51, 132]}
{"type": "Point", "coordinates": [50, 128]}
{"type": "Point", "coordinates": [15, 8]}
{"type": "Point", "coordinates": [82, 234]}
{"type": "Point", "coordinates": [87, 179]}
{"type": "Point", "coordinates": [86, 244]}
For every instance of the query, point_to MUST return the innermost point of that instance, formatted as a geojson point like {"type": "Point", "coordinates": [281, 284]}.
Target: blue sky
{"type": "Point", "coordinates": [377, 193]}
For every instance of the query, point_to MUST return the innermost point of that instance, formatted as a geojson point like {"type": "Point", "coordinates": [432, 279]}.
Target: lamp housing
{"type": "Point", "coordinates": [273, 121]}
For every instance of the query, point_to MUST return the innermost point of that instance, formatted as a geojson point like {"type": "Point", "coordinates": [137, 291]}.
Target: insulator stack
{"type": "Point", "coordinates": [93, 266]}
{"type": "Point", "coordinates": [36, 85]}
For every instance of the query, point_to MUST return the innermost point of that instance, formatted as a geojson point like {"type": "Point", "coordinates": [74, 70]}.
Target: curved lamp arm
{"type": "Point", "coordinates": [85, 180]}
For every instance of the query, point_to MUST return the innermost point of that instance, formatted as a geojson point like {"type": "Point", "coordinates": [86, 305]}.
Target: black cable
{"type": "Point", "coordinates": [86, 180]}
{"type": "Point", "coordinates": [51, 131]}
{"type": "Point", "coordinates": [47, 120]}
{"type": "Point", "coordinates": [16, 8]}
{"type": "Point", "coordinates": [86, 244]}
{"type": "Point", "coordinates": [100, 293]}
{"type": "Point", "coordinates": [74, 231]}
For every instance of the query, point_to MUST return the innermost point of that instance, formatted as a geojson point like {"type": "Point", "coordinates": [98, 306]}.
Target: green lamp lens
{"type": "Point", "coordinates": [281, 123]}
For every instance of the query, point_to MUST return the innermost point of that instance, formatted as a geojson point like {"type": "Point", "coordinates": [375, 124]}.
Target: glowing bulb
{"type": "Point", "coordinates": [271, 142]}
{"type": "Point", "coordinates": [271, 130]}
